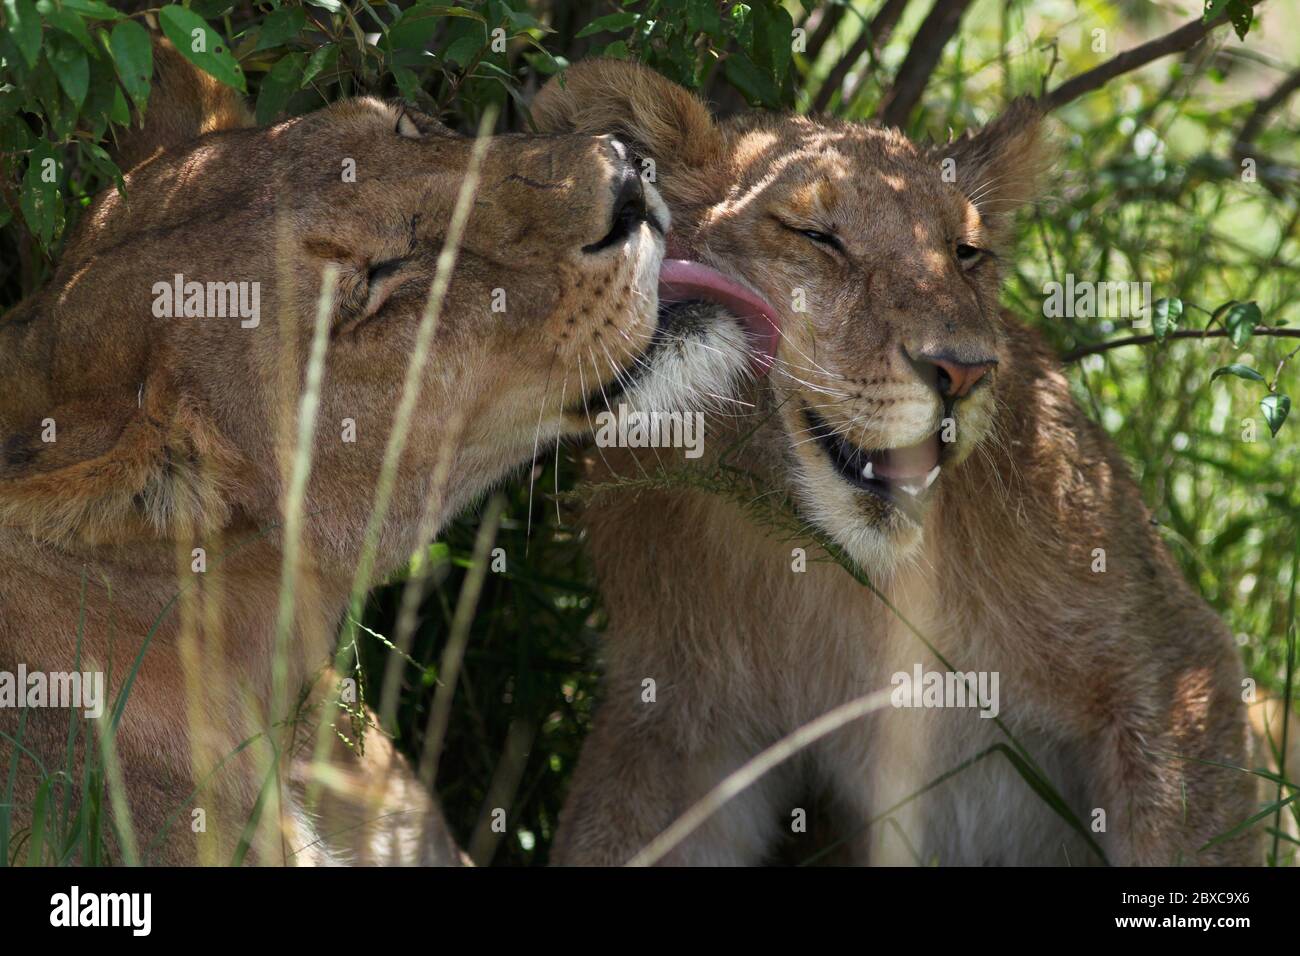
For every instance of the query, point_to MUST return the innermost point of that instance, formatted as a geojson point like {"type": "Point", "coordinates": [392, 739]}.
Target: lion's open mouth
{"type": "Point", "coordinates": [900, 476]}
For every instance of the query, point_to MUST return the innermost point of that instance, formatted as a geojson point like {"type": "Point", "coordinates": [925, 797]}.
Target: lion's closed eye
{"type": "Point", "coordinates": [368, 289]}
{"type": "Point", "coordinates": [381, 279]}
{"type": "Point", "coordinates": [821, 237]}
{"type": "Point", "coordinates": [378, 275]}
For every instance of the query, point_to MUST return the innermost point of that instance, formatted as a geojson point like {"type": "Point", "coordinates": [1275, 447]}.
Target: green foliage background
{"type": "Point", "coordinates": [1150, 189]}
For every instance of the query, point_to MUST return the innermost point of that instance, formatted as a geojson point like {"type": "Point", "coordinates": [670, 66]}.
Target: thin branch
{"type": "Point", "coordinates": [922, 57]}
{"type": "Point", "coordinates": [873, 36]}
{"type": "Point", "coordinates": [1277, 372]}
{"type": "Point", "coordinates": [1259, 331]}
{"type": "Point", "coordinates": [1255, 122]}
{"type": "Point", "coordinates": [830, 20]}
{"type": "Point", "coordinates": [1272, 172]}
{"type": "Point", "coordinates": [1184, 38]}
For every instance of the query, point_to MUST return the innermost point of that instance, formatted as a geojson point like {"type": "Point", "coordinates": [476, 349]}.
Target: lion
{"type": "Point", "coordinates": [147, 442]}
{"type": "Point", "coordinates": [1054, 691]}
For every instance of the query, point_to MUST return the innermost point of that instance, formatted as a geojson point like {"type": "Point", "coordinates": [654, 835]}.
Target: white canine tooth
{"type": "Point", "coordinates": [934, 473]}
{"type": "Point", "coordinates": [868, 471]}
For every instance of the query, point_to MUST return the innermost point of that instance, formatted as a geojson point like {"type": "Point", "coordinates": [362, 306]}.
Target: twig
{"type": "Point", "coordinates": [873, 36]}
{"type": "Point", "coordinates": [922, 57]}
{"type": "Point", "coordinates": [1244, 146]}
{"type": "Point", "coordinates": [1255, 121]}
{"type": "Point", "coordinates": [1262, 330]}
{"type": "Point", "coordinates": [1184, 38]}
{"type": "Point", "coordinates": [830, 20]}
{"type": "Point", "coordinates": [1277, 372]}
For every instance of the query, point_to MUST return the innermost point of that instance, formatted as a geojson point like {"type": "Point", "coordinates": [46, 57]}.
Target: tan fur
{"type": "Point", "coordinates": [178, 433]}
{"type": "Point", "coordinates": [183, 103]}
{"type": "Point", "coordinates": [1123, 686]}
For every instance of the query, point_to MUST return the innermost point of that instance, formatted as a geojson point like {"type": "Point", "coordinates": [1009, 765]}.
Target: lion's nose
{"type": "Point", "coordinates": [952, 378]}
{"type": "Point", "coordinates": [630, 207]}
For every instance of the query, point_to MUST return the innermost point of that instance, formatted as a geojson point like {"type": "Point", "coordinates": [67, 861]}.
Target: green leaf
{"type": "Point", "coordinates": [1212, 9]}
{"type": "Point", "coordinates": [211, 9]}
{"type": "Point", "coordinates": [322, 60]}
{"type": "Point", "coordinates": [187, 31]}
{"type": "Point", "coordinates": [1275, 408]}
{"type": "Point", "coordinates": [445, 11]}
{"type": "Point", "coordinates": [24, 25]}
{"type": "Point", "coordinates": [1222, 310]}
{"type": "Point", "coordinates": [119, 113]}
{"type": "Point", "coordinates": [106, 102]}
{"type": "Point", "coordinates": [133, 54]}
{"type": "Point", "coordinates": [1240, 320]}
{"type": "Point", "coordinates": [40, 201]}
{"type": "Point", "coordinates": [757, 87]}
{"type": "Point", "coordinates": [610, 23]}
{"type": "Point", "coordinates": [1240, 15]}
{"type": "Point", "coordinates": [1239, 370]}
{"type": "Point", "coordinates": [69, 23]}
{"type": "Point", "coordinates": [702, 17]}
{"type": "Point", "coordinates": [544, 62]}
{"type": "Point", "coordinates": [281, 83]}
{"type": "Point", "coordinates": [416, 28]}
{"type": "Point", "coordinates": [10, 100]}
{"type": "Point", "coordinates": [44, 87]}
{"type": "Point", "coordinates": [523, 21]}
{"type": "Point", "coordinates": [14, 136]}
{"type": "Point", "coordinates": [487, 66]}
{"type": "Point", "coordinates": [1165, 316]}
{"type": "Point", "coordinates": [97, 156]}
{"type": "Point", "coordinates": [333, 6]}
{"type": "Point", "coordinates": [92, 9]}
{"type": "Point", "coordinates": [406, 40]}
{"type": "Point", "coordinates": [72, 68]}
{"type": "Point", "coordinates": [772, 31]}
{"type": "Point", "coordinates": [282, 25]}
{"type": "Point", "coordinates": [101, 101]}
{"type": "Point", "coordinates": [407, 83]}
{"type": "Point", "coordinates": [462, 51]}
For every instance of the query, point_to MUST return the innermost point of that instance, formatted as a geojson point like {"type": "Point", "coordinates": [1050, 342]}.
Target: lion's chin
{"type": "Point", "coordinates": [880, 553]}
{"type": "Point", "coordinates": [873, 502]}
{"type": "Point", "coordinates": [699, 361]}
{"type": "Point", "coordinates": [875, 533]}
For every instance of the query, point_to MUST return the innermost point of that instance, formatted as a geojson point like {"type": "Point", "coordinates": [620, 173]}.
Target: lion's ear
{"type": "Point", "coordinates": [184, 103]}
{"type": "Point", "coordinates": [657, 118]}
{"type": "Point", "coordinates": [1002, 166]}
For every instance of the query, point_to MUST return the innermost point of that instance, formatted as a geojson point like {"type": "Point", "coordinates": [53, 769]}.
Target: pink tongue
{"type": "Point", "coordinates": [906, 464]}
{"type": "Point", "coordinates": [680, 281]}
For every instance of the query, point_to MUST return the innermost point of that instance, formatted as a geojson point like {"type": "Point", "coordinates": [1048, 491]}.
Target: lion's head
{"type": "Point", "coordinates": [149, 388]}
{"type": "Point", "coordinates": [882, 258]}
